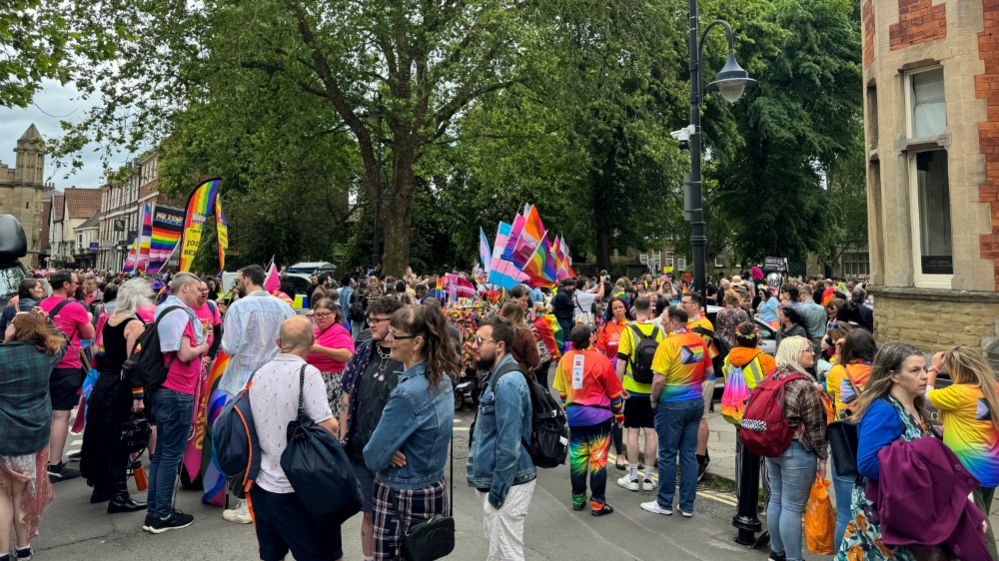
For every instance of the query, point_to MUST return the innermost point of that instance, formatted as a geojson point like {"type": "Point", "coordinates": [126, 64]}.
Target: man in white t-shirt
{"type": "Point", "coordinates": [583, 299]}
{"type": "Point", "coordinates": [282, 522]}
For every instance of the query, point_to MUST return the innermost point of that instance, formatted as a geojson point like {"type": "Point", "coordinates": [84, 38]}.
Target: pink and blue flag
{"type": "Point", "coordinates": [485, 254]}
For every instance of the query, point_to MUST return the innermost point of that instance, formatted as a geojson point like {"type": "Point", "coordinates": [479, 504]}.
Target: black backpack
{"type": "Point", "coordinates": [641, 358]}
{"type": "Point", "coordinates": [549, 426]}
{"type": "Point", "coordinates": [144, 367]}
{"type": "Point", "coordinates": [234, 438]}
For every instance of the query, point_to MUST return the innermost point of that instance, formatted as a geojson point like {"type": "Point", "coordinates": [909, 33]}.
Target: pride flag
{"type": "Point", "coordinates": [199, 206]}
{"type": "Point", "coordinates": [221, 231]}
{"type": "Point", "coordinates": [530, 236]}
{"type": "Point", "coordinates": [485, 254]}
{"type": "Point", "coordinates": [211, 403]}
{"type": "Point", "coordinates": [168, 223]}
{"type": "Point", "coordinates": [130, 261]}
{"type": "Point", "coordinates": [541, 267]}
{"type": "Point", "coordinates": [503, 272]}
{"type": "Point", "coordinates": [145, 238]}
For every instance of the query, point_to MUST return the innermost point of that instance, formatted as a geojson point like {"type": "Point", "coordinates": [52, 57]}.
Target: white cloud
{"type": "Point", "coordinates": [53, 104]}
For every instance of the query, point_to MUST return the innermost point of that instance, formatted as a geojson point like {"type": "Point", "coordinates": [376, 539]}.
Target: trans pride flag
{"type": "Point", "coordinates": [502, 271]}
{"type": "Point", "coordinates": [485, 254]}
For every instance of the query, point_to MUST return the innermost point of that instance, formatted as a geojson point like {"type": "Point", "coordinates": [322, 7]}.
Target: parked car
{"type": "Point", "coordinates": [13, 246]}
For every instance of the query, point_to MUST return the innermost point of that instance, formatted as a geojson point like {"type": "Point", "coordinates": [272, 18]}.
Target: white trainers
{"type": "Point", "coordinates": [628, 483]}
{"type": "Point", "coordinates": [240, 514]}
{"type": "Point", "coordinates": [648, 485]}
{"type": "Point", "coordinates": [686, 514]}
{"type": "Point", "coordinates": [653, 506]}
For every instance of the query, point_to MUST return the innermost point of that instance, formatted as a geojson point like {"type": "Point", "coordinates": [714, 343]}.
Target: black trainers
{"type": "Point", "coordinates": [702, 466]}
{"type": "Point", "coordinates": [59, 472]}
{"type": "Point", "coordinates": [774, 556]}
{"type": "Point", "coordinates": [602, 510]}
{"type": "Point", "coordinates": [175, 521]}
{"type": "Point", "coordinates": [23, 554]}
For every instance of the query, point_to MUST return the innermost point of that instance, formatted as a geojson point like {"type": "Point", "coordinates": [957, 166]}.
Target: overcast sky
{"type": "Point", "coordinates": [51, 105]}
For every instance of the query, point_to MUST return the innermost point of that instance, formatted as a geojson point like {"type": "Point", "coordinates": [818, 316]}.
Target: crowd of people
{"type": "Point", "coordinates": [375, 359]}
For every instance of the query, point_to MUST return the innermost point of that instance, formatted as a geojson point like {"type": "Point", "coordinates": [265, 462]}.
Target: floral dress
{"type": "Point", "coordinates": [862, 540]}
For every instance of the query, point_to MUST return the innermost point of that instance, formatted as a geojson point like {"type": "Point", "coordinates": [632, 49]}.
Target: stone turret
{"type": "Point", "coordinates": [29, 165]}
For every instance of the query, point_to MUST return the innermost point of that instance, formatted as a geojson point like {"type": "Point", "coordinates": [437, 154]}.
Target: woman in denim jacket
{"type": "Point", "coordinates": [408, 450]}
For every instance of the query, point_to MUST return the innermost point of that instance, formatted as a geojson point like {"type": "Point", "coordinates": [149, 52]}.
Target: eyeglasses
{"type": "Point", "coordinates": [372, 320]}
{"type": "Point", "coordinates": [321, 316]}
{"type": "Point", "coordinates": [402, 337]}
{"type": "Point", "coordinates": [480, 341]}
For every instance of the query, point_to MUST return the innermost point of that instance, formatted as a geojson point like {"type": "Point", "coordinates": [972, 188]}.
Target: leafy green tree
{"type": "Point", "coordinates": [772, 148]}
{"type": "Point", "coordinates": [418, 65]}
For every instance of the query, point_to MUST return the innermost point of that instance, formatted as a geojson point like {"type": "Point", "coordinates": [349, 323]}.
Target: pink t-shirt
{"type": "Point", "coordinates": [335, 336]}
{"type": "Point", "coordinates": [209, 317]}
{"type": "Point", "coordinates": [69, 320]}
{"type": "Point", "coordinates": [183, 376]}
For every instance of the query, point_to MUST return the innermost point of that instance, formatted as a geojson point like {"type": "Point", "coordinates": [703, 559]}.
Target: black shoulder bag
{"type": "Point", "coordinates": [318, 469]}
{"type": "Point", "coordinates": [434, 537]}
{"type": "Point", "coordinates": [842, 437]}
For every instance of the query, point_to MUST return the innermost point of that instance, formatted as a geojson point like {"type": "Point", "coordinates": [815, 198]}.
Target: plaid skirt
{"type": "Point", "coordinates": [414, 506]}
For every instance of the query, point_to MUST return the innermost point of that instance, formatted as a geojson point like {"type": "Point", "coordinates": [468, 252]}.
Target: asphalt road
{"type": "Point", "coordinates": [73, 529]}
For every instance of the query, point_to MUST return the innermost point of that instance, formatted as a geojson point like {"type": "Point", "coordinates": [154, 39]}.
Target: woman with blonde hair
{"type": "Point", "coordinates": [892, 406]}
{"type": "Point", "coordinates": [791, 474]}
{"type": "Point", "coordinates": [104, 461]}
{"type": "Point", "coordinates": [969, 409]}
{"type": "Point", "coordinates": [31, 350]}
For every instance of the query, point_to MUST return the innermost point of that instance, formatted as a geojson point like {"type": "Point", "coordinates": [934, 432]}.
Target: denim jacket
{"type": "Point", "coordinates": [418, 420]}
{"type": "Point", "coordinates": [498, 459]}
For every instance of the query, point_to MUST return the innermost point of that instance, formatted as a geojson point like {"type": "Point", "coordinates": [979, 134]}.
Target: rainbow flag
{"type": "Point", "coordinates": [221, 231]}
{"type": "Point", "coordinates": [145, 237]}
{"type": "Point", "coordinates": [130, 261]}
{"type": "Point", "coordinates": [212, 401]}
{"type": "Point", "coordinates": [199, 206]}
{"type": "Point", "coordinates": [168, 223]}
{"type": "Point", "coordinates": [541, 266]}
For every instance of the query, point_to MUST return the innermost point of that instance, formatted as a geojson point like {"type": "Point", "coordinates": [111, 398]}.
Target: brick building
{"type": "Point", "coordinates": [931, 74]}
{"type": "Point", "coordinates": [121, 209]}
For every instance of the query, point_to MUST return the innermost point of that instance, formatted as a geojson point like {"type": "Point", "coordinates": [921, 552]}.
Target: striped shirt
{"type": "Point", "coordinates": [249, 335]}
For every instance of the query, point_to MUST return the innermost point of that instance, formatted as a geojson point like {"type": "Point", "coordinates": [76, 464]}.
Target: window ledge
{"type": "Point", "coordinates": [935, 294]}
{"type": "Point", "coordinates": [922, 144]}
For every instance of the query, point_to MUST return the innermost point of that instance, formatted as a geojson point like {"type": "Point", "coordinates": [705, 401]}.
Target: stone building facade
{"type": "Point", "coordinates": [21, 190]}
{"type": "Point", "coordinates": [931, 111]}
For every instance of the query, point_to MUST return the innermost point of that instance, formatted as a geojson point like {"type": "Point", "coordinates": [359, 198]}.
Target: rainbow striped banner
{"type": "Point", "coordinates": [199, 207]}
{"type": "Point", "coordinates": [168, 223]}
{"type": "Point", "coordinates": [221, 231]}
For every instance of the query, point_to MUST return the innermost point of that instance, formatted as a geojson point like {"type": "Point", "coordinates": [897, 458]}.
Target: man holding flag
{"type": "Point", "coordinates": [249, 335]}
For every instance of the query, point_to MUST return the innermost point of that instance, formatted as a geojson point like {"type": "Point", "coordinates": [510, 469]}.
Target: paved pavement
{"type": "Point", "coordinates": [74, 529]}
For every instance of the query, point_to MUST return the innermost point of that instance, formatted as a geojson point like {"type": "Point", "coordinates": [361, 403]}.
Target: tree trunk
{"type": "Point", "coordinates": [397, 208]}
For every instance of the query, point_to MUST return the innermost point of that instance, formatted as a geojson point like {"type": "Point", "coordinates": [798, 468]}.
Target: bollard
{"type": "Point", "coordinates": [746, 519]}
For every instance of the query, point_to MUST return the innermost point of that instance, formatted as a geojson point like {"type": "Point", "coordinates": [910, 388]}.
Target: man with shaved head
{"type": "Point", "coordinates": [282, 523]}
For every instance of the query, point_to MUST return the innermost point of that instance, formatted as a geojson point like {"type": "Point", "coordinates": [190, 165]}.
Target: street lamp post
{"type": "Point", "coordinates": [731, 83]}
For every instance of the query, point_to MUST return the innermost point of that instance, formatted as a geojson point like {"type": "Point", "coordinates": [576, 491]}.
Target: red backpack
{"type": "Point", "coordinates": [765, 428]}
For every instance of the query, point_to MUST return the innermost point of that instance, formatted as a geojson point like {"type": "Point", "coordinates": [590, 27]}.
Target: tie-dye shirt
{"type": "Point", "coordinates": [683, 359]}
{"type": "Point", "coordinates": [840, 388]}
{"type": "Point", "coordinates": [589, 388]}
{"type": "Point", "coordinates": [968, 430]}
